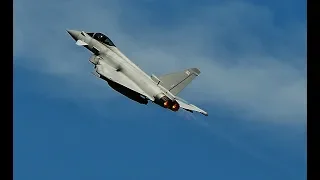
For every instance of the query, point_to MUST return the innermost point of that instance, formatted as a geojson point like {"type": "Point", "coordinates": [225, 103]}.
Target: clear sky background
{"type": "Point", "coordinates": [70, 125]}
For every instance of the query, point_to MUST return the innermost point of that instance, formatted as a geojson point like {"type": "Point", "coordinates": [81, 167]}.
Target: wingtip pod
{"type": "Point", "coordinates": [190, 107]}
{"type": "Point", "coordinates": [204, 113]}
{"type": "Point", "coordinates": [200, 110]}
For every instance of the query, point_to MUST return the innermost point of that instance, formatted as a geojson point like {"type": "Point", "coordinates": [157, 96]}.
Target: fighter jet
{"type": "Point", "coordinates": [125, 77]}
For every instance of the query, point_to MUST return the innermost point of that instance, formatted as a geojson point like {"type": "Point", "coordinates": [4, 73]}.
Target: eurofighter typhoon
{"type": "Point", "coordinates": [111, 65]}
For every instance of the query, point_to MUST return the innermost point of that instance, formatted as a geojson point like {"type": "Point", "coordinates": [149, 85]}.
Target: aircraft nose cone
{"type": "Point", "coordinates": [73, 33]}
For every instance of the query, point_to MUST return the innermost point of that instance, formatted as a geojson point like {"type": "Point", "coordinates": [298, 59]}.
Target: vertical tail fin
{"type": "Point", "coordinates": [176, 82]}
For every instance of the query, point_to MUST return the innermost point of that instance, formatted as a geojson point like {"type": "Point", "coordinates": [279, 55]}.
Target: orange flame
{"type": "Point", "coordinates": [166, 104]}
{"type": "Point", "coordinates": [175, 107]}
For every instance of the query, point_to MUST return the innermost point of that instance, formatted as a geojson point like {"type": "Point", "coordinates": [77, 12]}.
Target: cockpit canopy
{"type": "Point", "coordinates": [102, 38]}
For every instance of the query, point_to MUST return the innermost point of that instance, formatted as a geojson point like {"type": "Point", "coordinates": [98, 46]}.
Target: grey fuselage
{"type": "Point", "coordinates": [111, 56]}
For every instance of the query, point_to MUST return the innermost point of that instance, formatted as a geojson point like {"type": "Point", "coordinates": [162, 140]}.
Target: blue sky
{"type": "Point", "coordinates": [70, 125]}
